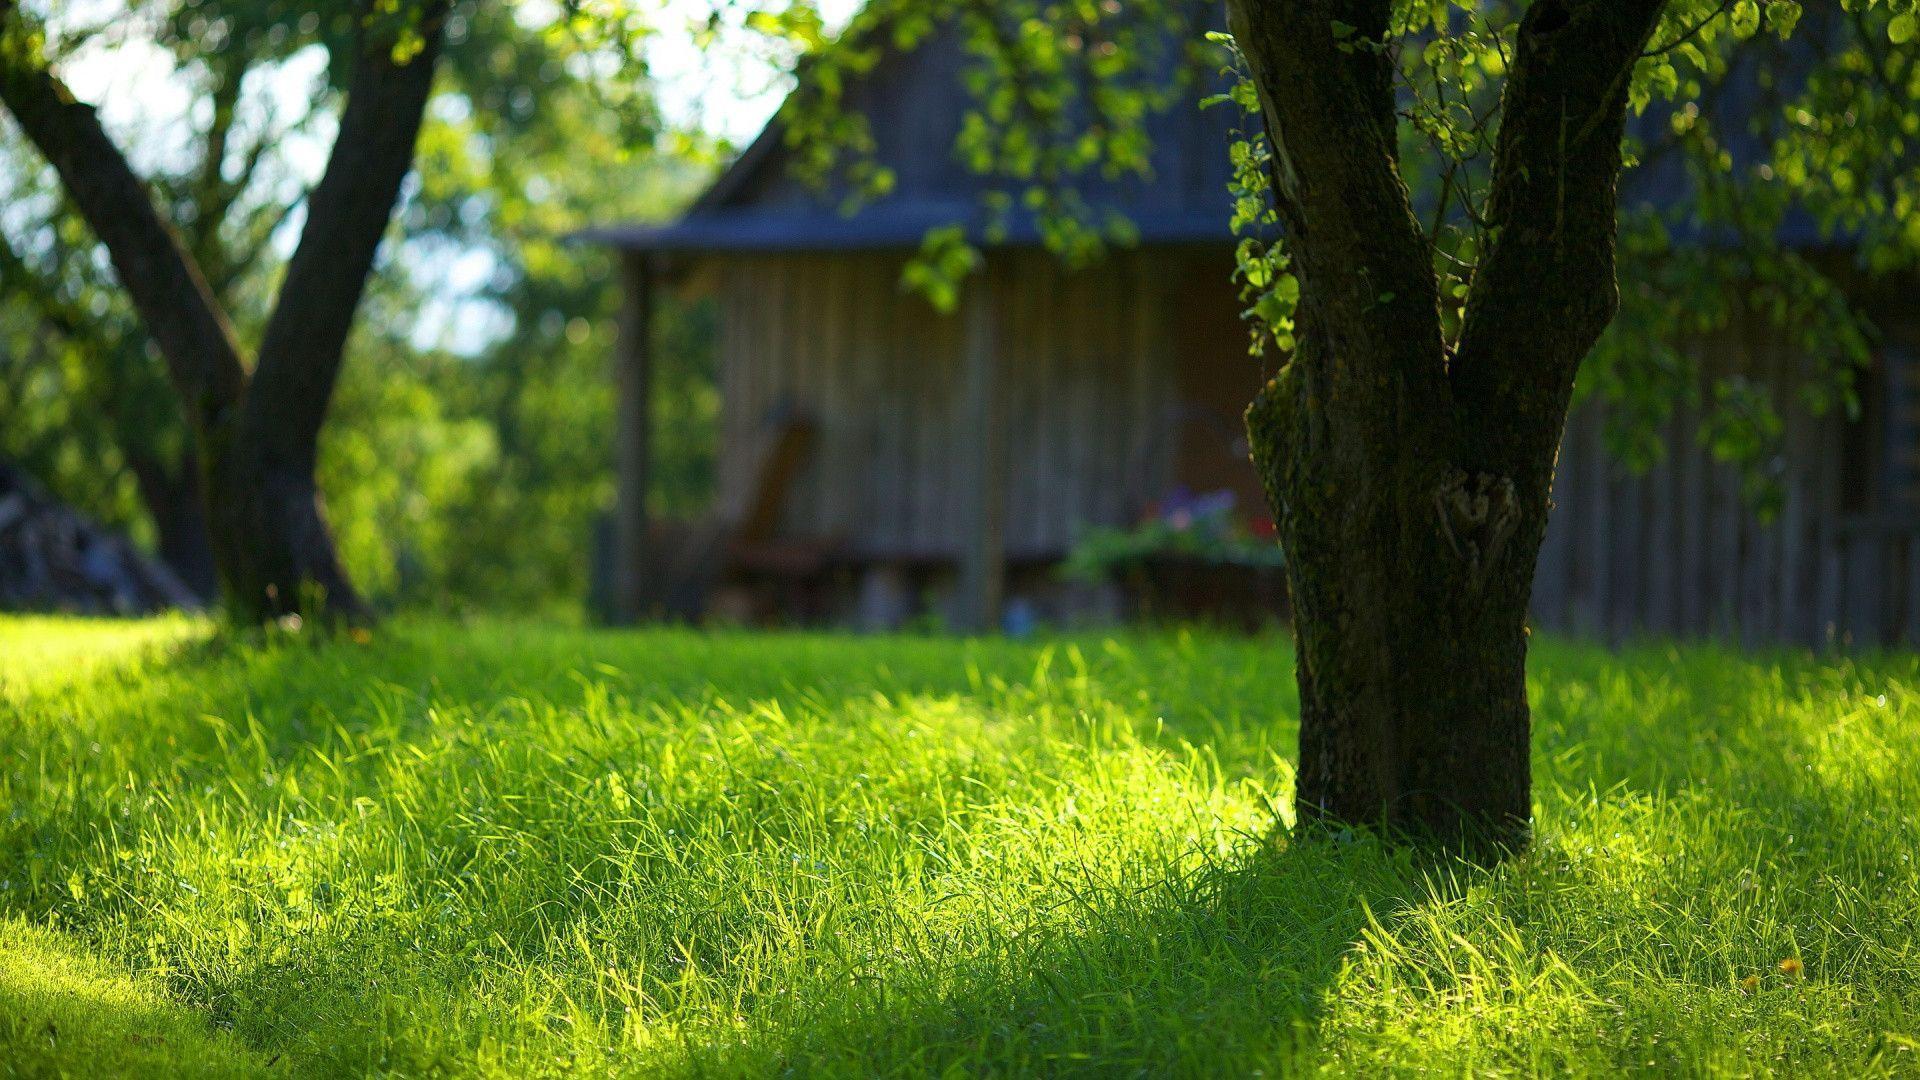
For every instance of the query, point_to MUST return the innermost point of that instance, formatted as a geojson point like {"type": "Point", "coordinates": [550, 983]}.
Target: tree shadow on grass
{"type": "Point", "coordinates": [1223, 972]}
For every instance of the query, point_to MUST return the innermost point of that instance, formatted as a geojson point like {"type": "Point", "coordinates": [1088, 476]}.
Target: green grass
{"type": "Point", "coordinates": [517, 850]}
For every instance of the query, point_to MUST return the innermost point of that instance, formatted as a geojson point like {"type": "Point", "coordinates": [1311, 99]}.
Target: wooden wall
{"type": "Point", "coordinates": [1677, 551]}
{"type": "Point", "coordinates": [1085, 375]}
{"type": "Point", "coordinates": [1091, 372]}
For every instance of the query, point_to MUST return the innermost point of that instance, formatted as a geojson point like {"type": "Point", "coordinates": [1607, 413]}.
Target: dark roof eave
{"type": "Point", "coordinates": [902, 228]}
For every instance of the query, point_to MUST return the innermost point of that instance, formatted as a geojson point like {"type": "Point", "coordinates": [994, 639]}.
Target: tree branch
{"type": "Point", "coordinates": [1326, 83]}
{"type": "Point", "coordinates": [1553, 217]}
{"type": "Point", "coordinates": [165, 284]}
{"type": "Point", "coordinates": [347, 213]}
{"type": "Point", "coordinates": [1691, 32]}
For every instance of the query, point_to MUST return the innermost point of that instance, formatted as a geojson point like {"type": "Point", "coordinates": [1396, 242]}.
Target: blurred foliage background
{"type": "Point", "coordinates": [466, 456]}
{"type": "Point", "coordinates": [468, 453]}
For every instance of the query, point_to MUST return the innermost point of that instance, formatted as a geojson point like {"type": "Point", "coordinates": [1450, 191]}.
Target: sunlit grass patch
{"type": "Point", "coordinates": [517, 850]}
{"type": "Point", "coordinates": [64, 1013]}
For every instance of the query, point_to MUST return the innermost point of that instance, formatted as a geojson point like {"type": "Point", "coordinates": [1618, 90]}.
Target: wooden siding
{"type": "Point", "coordinates": [1677, 551]}
{"type": "Point", "coordinates": [1090, 374]}
{"type": "Point", "coordinates": [1084, 377]}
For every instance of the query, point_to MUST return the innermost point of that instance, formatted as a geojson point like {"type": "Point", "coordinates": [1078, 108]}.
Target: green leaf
{"type": "Point", "coordinates": [1901, 29]}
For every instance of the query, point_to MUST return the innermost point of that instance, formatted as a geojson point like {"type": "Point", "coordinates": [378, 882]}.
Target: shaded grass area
{"type": "Point", "coordinates": [518, 850]}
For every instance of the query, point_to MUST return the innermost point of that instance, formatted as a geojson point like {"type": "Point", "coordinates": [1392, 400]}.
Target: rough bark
{"type": "Point", "coordinates": [256, 432]}
{"type": "Point", "coordinates": [1412, 488]}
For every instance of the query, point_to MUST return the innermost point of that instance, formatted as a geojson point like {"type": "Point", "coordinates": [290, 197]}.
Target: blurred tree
{"type": "Point", "coordinates": [75, 334]}
{"type": "Point", "coordinates": [256, 428]}
{"type": "Point", "coordinates": [530, 139]}
{"type": "Point", "coordinates": [538, 121]}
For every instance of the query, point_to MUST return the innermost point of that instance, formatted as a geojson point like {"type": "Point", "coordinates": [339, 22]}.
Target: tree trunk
{"type": "Point", "coordinates": [257, 431]}
{"type": "Point", "coordinates": [175, 499]}
{"type": "Point", "coordinates": [1411, 483]}
{"type": "Point", "coordinates": [1409, 583]}
{"type": "Point", "coordinates": [271, 540]}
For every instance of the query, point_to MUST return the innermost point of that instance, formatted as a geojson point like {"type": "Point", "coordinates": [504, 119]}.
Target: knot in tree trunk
{"type": "Point", "coordinates": [1477, 514]}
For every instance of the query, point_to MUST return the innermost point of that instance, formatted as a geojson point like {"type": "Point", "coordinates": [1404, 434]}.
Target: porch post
{"type": "Point", "coordinates": [633, 438]}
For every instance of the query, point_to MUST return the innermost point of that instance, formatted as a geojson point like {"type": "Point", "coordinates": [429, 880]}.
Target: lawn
{"type": "Point", "coordinates": [518, 850]}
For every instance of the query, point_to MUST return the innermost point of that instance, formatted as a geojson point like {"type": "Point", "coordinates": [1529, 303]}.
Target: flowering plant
{"type": "Point", "coordinates": [1203, 528]}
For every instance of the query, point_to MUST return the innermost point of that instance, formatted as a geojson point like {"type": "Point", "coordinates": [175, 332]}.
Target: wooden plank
{"type": "Point", "coordinates": [1148, 362]}
{"type": "Point", "coordinates": [1050, 399]}
{"type": "Point", "coordinates": [727, 356]}
{"type": "Point", "coordinates": [796, 329]}
{"type": "Point", "coordinates": [1763, 567]}
{"type": "Point", "coordinates": [927, 405]}
{"type": "Point", "coordinates": [1865, 584]}
{"type": "Point", "coordinates": [1826, 604]}
{"type": "Point", "coordinates": [1107, 464]}
{"type": "Point", "coordinates": [804, 319]}
{"type": "Point", "coordinates": [1911, 631]}
{"type": "Point", "coordinates": [753, 375]}
{"type": "Point", "coordinates": [983, 451]}
{"type": "Point", "coordinates": [792, 359]}
{"type": "Point", "coordinates": [1077, 414]}
{"type": "Point", "coordinates": [1594, 521]}
{"type": "Point", "coordinates": [842, 414]}
{"type": "Point", "coordinates": [1016, 388]}
{"type": "Point", "coordinates": [633, 440]}
{"type": "Point", "coordinates": [1793, 619]}
{"type": "Point", "coordinates": [1867, 590]}
{"type": "Point", "coordinates": [1049, 380]}
{"type": "Point", "coordinates": [942, 472]}
{"type": "Point", "coordinates": [1663, 514]}
{"type": "Point", "coordinates": [1830, 565]}
{"type": "Point", "coordinates": [887, 367]}
{"type": "Point", "coordinates": [1724, 578]}
{"type": "Point", "coordinates": [1693, 522]}
{"type": "Point", "coordinates": [1625, 494]}
{"type": "Point", "coordinates": [1025, 417]}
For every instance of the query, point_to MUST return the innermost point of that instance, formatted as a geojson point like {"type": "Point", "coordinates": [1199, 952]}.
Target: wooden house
{"type": "Point", "coordinates": [874, 452]}
{"type": "Point", "coordinates": [1678, 550]}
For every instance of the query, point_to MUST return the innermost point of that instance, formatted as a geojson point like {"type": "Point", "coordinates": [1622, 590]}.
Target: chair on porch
{"type": "Point", "coordinates": [738, 561]}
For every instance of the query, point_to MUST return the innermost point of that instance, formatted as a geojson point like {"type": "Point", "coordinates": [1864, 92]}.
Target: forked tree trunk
{"type": "Point", "coordinates": [1411, 483]}
{"type": "Point", "coordinates": [257, 432]}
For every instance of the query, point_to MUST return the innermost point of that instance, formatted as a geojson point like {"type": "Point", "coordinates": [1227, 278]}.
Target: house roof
{"type": "Point", "coordinates": [899, 226]}
{"type": "Point", "coordinates": [915, 101]}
